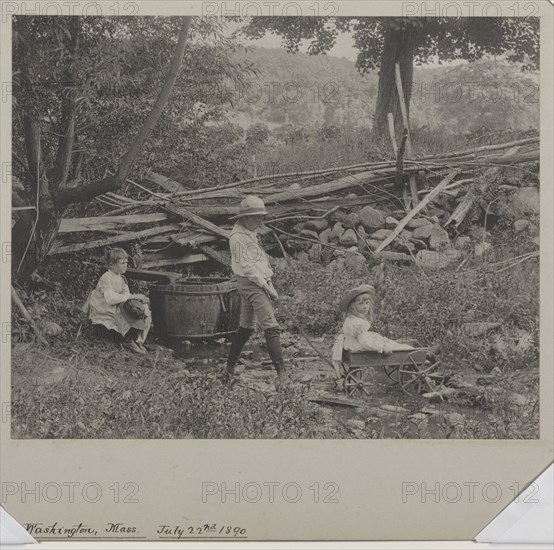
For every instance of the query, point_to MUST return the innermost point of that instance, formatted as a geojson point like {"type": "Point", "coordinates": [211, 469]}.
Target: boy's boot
{"type": "Point", "coordinates": [273, 342]}
{"type": "Point", "coordinates": [240, 338]}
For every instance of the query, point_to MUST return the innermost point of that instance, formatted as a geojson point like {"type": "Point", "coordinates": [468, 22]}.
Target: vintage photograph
{"type": "Point", "coordinates": [275, 227]}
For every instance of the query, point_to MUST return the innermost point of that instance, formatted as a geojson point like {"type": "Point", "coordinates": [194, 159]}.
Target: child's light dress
{"type": "Point", "coordinates": [356, 336]}
{"type": "Point", "coordinates": [104, 306]}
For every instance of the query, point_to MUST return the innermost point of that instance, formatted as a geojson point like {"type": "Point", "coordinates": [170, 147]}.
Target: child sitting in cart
{"type": "Point", "coordinates": [357, 305]}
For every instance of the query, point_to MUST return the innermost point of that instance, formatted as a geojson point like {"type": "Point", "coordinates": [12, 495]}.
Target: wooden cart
{"type": "Point", "coordinates": [415, 370]}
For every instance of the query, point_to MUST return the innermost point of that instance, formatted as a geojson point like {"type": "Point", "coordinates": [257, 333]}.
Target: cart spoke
{"type": "Point", "coordinates": [432, 367]}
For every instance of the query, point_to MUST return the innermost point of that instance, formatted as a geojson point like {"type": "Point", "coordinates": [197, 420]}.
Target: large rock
{"type": "Point", "coordinates": [374, 244]}
{"type": "Point", "coordinates": [351, 221]}
{"type": "Point", "coordinates": [521, 203]}
{"type": "Point", "coordinates": [381, 234]}
{"type": "Point", "coordinates": [439, 238]}
{"type": "Point", "coordinates": [423, 231]}
{"type": "Point", "coordinates": [336, 232]}
{"type": "Point", "coordinates": [316, 225]}
{"type": "Point", "coordinates": [371, 218]}
{"type": "Point", "coordinates": [324, 235]}
{"type": "Point", "coordinates": [349, 238]}
{"type": "Point", "coordinates": [414, 223]}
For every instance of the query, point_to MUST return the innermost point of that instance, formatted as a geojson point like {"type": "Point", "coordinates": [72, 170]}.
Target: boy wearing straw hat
{"type": "Point", "coordinates": [250, 264]}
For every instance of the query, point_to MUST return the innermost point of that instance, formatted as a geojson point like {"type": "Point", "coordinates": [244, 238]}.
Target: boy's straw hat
{"type": "Point", "coordinates": [353, 294]}
{"type": "Point", "coordinates": [251, 206]}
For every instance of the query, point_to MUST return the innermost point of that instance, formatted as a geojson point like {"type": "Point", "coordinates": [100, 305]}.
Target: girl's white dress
{"type": "Point", "coordinates": [104, 306]}
{"type": "Point", "coordinates": [356, 336]}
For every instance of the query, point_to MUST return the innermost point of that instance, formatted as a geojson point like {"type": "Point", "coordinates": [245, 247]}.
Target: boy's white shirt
{"type": "Point", "coordinates": [248, 258]}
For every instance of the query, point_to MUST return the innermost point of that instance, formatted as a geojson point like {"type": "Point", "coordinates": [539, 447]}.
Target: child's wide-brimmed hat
{"type": "Point", "coordinates": [251, 206]}
{"type": "Point", "coordinates": [353, 294]}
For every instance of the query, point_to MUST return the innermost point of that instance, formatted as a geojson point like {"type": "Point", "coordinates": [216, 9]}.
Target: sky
{"type": "Point", "coordinates": [343, 48]}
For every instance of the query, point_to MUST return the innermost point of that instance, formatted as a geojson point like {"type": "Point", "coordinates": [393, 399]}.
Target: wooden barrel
{"type": "Point", "coordinates": [198, 308]}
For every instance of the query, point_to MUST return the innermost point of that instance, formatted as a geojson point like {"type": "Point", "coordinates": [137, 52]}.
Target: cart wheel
{"type": "Point", "coordinates": [357, 382]}
{"type": "Point", "coordinates": [392, 373]}
{"type": "Point", "coordinates": [419, 377]}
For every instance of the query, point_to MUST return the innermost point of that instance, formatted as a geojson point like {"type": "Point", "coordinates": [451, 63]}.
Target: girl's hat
{"type": "Point", "coordinates": [353, 294]}
{"type": "Point", "coordinates": [251, 206]}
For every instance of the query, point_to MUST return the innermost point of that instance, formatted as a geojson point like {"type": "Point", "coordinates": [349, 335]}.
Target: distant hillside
{"type": "Point", "coordinates": [317, 91]}
{"type": "Point", "coordinates": [310, 91]}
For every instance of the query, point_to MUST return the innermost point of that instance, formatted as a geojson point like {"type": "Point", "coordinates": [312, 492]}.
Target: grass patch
{"type": "Point", "coordinates": [91, 391]}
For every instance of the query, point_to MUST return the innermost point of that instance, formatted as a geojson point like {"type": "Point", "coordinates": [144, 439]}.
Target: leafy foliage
{"type": "Point", "coordinates": [447, 38]}
{"type": "Point", "coordinates": [119, 68]}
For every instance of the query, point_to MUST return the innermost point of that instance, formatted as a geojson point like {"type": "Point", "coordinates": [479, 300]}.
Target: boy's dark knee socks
{"type": "Point", "coordinates": [239, 339]}
{"type": "Point", "coordinates": [273, 341]}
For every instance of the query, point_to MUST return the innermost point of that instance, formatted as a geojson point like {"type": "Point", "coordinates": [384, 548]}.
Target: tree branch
{"type": "Point", "coordinates": [67, 123]}
{"type": "Point", "coordinates": [82, 193]}
{"type": "Point", "coordinates": [154, 116]}
{"type": "Point", "coordinates": [69, 195]}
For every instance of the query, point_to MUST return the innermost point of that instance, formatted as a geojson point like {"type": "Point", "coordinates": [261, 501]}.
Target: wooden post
{"type": "Point", "coordinates": [399, 179]}
{"type": "Point", "coordinates": [254, 167]}
{"type": "Point", "coordinates": [403, 109]}
{"type": "Point", "coordinates": [392, 134]}
{"type": "Point", "coordinates": [399, 154]}
{"type": "Point", "coordinates": [404, 221]}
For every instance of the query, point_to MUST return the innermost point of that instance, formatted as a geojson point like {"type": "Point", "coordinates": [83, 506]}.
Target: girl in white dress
{"type": "Point", "coordinates": [357, 305]}
{"type": "Point", "coordinates": [104, 306]}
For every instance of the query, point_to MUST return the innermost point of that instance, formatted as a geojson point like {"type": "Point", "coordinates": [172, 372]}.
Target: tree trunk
{"type": "Point", "coordinates": [398, 48]}
{"type": "Point", "coordinates": [33, 238]}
